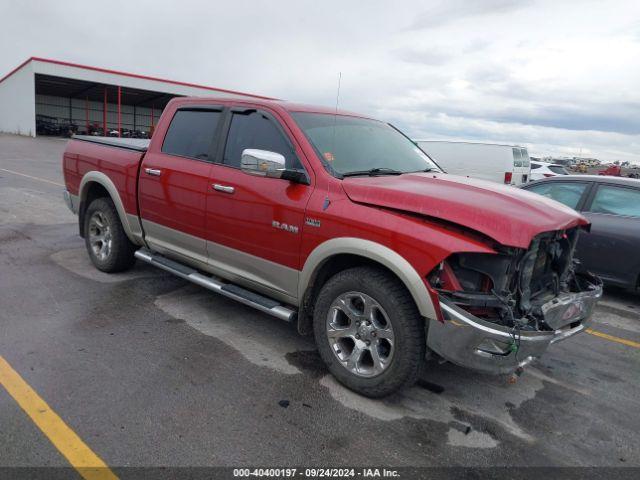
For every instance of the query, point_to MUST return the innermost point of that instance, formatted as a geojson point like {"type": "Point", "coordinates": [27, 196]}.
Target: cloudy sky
{"type": "Point", "coordinates": [561, 77]}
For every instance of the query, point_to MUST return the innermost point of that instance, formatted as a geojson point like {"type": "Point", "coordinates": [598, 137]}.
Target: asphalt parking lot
{"type": "Point", "coordinates": [148, 370]}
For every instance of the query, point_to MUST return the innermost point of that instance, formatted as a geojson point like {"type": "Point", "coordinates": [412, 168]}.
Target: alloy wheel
{"type": "Point", "coordinates": [360, 334]}
{"type": "Point", "coordinates": [100, 236]}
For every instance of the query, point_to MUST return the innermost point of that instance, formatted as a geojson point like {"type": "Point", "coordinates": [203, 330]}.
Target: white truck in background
{"type": "Point", "coordinates": [507, 164]}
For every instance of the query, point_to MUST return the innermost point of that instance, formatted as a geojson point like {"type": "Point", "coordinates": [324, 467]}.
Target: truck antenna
{"type": "Point", "coordinates": [333, 140]}
{"type": "Point", "coordinates": [335, 115]}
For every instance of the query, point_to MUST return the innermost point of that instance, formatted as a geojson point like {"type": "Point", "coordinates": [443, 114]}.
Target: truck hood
{"type": "Point", "coordinates": [507, 214]}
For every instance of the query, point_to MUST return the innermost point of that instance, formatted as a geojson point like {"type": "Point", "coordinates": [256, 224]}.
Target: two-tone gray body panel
{"type": "Point", "coordinates": [253, 272]}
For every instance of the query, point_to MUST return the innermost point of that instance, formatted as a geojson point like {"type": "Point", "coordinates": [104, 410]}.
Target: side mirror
{"type": "Point", "coordinates": [262, 162]}
{"type": "Point", "coordinates": [269, 164]}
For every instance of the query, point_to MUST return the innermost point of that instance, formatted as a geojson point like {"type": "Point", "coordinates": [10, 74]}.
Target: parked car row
{"type": "Point", "coordinates": [508, 164]}
{"type": "Point", "coordinates": [46, 125]}
{"type": "Point", "coordinates": [97, 130]}
{"type": "Point", "coordinates": [55, 126]}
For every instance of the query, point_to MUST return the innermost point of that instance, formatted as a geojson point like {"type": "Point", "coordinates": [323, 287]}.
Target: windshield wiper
{"type": "Point", "coordinates": [373, 172]}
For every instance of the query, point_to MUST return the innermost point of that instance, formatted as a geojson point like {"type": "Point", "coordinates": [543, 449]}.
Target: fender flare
{"type": "Point", "coordinates": [373, 251]}
{"type": "Point", "coordinates": [130, 223]}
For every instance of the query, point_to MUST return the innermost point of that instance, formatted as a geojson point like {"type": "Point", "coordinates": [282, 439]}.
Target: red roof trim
{"type": "Point", "coordinates": [131, 75]}
{"type": "Point", "coordinates": [15, 69]}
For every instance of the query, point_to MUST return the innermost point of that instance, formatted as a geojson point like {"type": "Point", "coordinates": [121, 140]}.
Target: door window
{"type": "Point", "coordinates": [256, 130]}
{"type": "Point", "coordinates": [191, 133]}
{"type": "Point", "coordinates": [563, 192]}
{"type": "Point", "coordinates": [616, 201]}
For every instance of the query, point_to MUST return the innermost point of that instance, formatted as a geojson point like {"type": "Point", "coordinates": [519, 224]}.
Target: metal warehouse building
{"type": "Point", "coordinates": [50, 97]}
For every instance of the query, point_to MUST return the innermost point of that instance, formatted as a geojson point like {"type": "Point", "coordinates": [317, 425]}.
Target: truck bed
{"type": "Point", "coordinates": [116, 158]}
{"type": "Point", "coordinates": [138, 144]}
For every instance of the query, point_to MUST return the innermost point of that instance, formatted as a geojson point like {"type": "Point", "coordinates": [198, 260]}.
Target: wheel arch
{"type": "Point", "coordinates": [339, 254]}
{"type": "Point", "coordinates": [97, 185]}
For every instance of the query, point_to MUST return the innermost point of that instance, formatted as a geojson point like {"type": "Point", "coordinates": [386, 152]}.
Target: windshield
{"type": "Point", "coordinates": [352, 145]}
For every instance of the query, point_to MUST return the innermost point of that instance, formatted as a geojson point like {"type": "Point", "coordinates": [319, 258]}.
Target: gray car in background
{"type": "Point", "coordinates": [611, 249]}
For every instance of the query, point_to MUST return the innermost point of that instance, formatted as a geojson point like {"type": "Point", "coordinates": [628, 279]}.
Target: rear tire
{"type": "Point", "coordinates": [109, 248]}
{"type": "Point", "coordinates": [369, 332]}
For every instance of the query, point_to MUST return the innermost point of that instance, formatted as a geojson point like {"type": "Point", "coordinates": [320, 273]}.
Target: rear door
{"type": "Point", "coordinates": [254, 224]}
{"type": "Point", "coordinates": [521, 166]}
{"type": "Point", "coordinates": [612, 248]}
{"type": "Point", "coordinates": [174, 181]}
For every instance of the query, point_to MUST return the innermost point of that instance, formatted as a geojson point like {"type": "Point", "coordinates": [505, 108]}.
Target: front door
{"type": "Point", "coordinates": [254, 224]}
{"type": "Point", "coordinates": [611, 248]}
{"type": "Point", "coordinates": [173, 185]}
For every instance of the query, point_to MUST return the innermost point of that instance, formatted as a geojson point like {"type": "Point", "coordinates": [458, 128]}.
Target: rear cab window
{"type": "Point", "coordinates": [569, 193]}
{"type": "Point", "coordinates": [616, 200]}
{"type": "Point", "coordinates": [192, 133]}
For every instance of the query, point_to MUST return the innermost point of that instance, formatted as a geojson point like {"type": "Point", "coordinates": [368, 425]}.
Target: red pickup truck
{"type": "Point", "coordinates": [341, 225]}
{"type": "Point", "coordinates": [612, 171]}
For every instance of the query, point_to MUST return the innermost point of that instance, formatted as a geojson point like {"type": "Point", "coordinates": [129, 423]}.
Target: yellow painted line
{"type": "Point", "coordinates": [79, 455]}
{"type": "Point", "coordinates": [32, 178]}
{"type": "Point", "coordinates": [606, 336]}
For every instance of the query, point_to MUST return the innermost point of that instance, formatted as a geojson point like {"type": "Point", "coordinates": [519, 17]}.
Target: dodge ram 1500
{"type": "Point", "coordinates": [341, 225]}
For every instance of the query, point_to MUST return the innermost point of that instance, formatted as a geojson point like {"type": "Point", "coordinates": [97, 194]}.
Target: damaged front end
{"type": "Point", "coordinates": [500, 311]}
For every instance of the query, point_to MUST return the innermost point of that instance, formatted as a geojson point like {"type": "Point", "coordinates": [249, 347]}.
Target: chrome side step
{"type": "Point", "coordinates": [252, 299]}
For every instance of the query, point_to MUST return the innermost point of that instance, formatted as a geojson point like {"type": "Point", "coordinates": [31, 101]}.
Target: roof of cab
{"type": "Point", "coordinates": [282, 104]}
{"type": "Point", "coordinates": [633, 182]}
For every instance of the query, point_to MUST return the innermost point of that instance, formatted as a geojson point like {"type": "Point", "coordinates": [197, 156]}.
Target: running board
{"type": "Point", "coordinates": [230, 290]}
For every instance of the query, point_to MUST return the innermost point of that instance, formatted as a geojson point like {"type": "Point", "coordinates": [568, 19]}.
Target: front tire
{"type": "Point", "coordinates": [369, 332]}
{"type": "Point", "coordinates": [109, 248]}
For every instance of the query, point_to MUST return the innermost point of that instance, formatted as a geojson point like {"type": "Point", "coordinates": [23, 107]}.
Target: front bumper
{"type": "Point", "coordinates": [476, 343]}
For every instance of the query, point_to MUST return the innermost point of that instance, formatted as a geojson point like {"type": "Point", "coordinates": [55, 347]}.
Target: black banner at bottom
{"type": "Point", "coordinates": [408, 473]}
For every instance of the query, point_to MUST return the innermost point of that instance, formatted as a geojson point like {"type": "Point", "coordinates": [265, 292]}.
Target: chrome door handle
{"type": "Point", "coordinates": [153, 172]}
{"type": "Point", "coordinates": [223, 188]}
